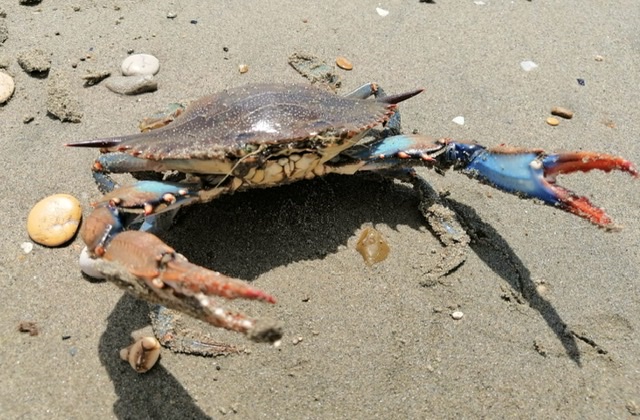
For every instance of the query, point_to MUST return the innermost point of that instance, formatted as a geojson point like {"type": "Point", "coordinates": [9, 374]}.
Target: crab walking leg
{"type": "Point", "coordinates": [146, 267]}
{"type": "Point", "coordinates": [443, 222]}
{"type": "Point", "coordinates": [528, 173]}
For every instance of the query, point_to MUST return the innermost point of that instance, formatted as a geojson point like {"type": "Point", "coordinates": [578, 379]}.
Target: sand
{"type": "Point", "coordinates": [550, 302]}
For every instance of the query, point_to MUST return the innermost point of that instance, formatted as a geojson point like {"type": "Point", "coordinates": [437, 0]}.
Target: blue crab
{"type": "Point", "coordinates": [266, 135]}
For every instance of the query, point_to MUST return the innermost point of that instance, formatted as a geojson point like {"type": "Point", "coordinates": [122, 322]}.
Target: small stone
{"type": "Point", "coordinates": [143, 354]}
{"type": "Point", "coordinates": [27, 247]}
{"type": "Point", "coordinates": [382, 12]}
{"type": "Point", "coordinates": [29, 327]}
{"type": "Point", "coordinates": [140, 65]}
{"type": "Point", "coordinates": [458, 120]}
{"type": "Point", "coordinates": [598, 58]}
{"type": "Point", "coordinates": [172, 15]}
{"type": "Point", "coordinates": [562, 112]}
{"type": "Point", "coordinates": [457, 315]}
{"type": "Point", "coordinates": [528, 65]}
{"type": "Point", "coordinates": [34, 61]}
{"type": "Point", "coordinates": [131, 85]}
{"type": "Point", "coordinates": [553, 121]}
{"type": "Point", "coordinates": [344, 64]}
{"type": "Point", "coordinates": [54, 220]}
{"type": "Point", "coordinates": [243, 68]}
{"type": "Point", "coordinates": [7, 86]}
{"type": "Point", "coordinates": [29, 2]}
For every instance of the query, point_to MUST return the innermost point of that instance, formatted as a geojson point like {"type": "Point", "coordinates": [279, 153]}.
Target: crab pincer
{"type": "Point", "coordinates": [142, 264]}
{"type": "Point", "coordinates": [532, 173]}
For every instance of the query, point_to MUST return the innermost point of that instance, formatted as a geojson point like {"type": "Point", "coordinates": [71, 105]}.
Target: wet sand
{"type": "Point", "coordinates": [550, 302]}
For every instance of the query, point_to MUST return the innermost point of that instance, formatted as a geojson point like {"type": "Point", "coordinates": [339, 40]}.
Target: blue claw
{"type": "Point", "coordinates": [532, 173]}
{"type": "Point", "coordinates": [521, 173]}
{"type": "Point", "coordinates": [524, 172]}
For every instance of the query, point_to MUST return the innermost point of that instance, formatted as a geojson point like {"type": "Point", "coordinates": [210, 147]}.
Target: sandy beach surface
{"type": "Point", "coordinates": [550, 302]}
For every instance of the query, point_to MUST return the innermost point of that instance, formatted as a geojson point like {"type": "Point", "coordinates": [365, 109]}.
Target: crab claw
{"type": "Point", "coordinates": [146, 267]}
{"type": "Point", "coordinates": [532, 173]}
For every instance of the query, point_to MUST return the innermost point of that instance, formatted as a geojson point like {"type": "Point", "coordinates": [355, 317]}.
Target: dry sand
{"type": "Point", "coordinates": [551, 303]}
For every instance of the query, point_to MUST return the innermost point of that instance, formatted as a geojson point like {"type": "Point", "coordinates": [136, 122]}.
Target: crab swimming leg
{"type": "Point", "coordinates": [528, 173]}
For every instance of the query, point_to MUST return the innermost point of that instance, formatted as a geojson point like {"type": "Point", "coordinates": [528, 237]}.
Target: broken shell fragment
{"type": "Point", "coordinates": [372, 246]}
{"type": "Point", "coordinates": [142, 355]}
{"type": "Point", "coordinates": [562, 112]}
{"type": "Point", "coordinates": [343, 63]}
{"type": "Point", "coordinates": [54, 220]}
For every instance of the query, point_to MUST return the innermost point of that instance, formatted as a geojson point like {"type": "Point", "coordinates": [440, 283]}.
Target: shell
{"type": "Point", "coordinates": [239, 121]}
{"type": "Point", "coordinates": [54, 220]}
{"type": "Point", "coordinates": [143, 354]}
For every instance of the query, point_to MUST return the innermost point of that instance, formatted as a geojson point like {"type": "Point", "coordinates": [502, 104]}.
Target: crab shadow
{"type": "Point", "coordinates": [245, 235]}
{"type": "Point", "coordinates": [157, 394]}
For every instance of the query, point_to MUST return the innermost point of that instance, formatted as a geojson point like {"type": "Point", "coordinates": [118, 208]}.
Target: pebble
{"type": "Point", "coordinates": [553, 121]}
{"type": "Point", "coordinates": [7, 86]}
{"type": "Point", "coordinates": [598, 58]}
{"type": "Point", "coordinates": [140, 65]}
{"type": "Point", "coordinates": [372, 246]}
{"type": "Point", "coordinates": [143, 354]}
{"type": "Point", "coordinates": [528, 65]}
{"type": "Point", "coordinates": [382, 12]}
{"type": "Point", "coordinates": [243, 68]}
{"type": "Point", "coordinates": [27, 247]}
{"type": "Point", "coordinates": [562, 112]}
{"type": "Point", "coordinates": [131, 85]}
{"type": "Point", "coordinates": [457, 315]}
{"type": "Point", "coordinates": [343, 63]}
{"type": "Point", "coordinates": [458, 120]}
{"type": "Point", "coordinates": [54, 220]}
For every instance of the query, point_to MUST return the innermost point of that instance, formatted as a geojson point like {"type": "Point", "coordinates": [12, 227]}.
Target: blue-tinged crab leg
{"type": "Point", "coordinates": [525, 172]}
